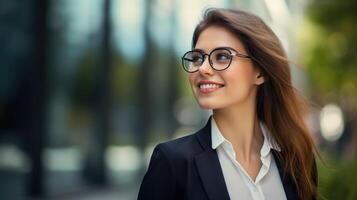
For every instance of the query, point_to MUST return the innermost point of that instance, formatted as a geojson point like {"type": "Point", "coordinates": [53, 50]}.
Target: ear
{"type": "Point", "coordinates": [259, 79]}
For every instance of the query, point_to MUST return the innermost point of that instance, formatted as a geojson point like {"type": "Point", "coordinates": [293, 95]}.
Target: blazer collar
{"type": "Point", "coordinates": [210, 171]}
{"type": "Point", "coordinates": [286, 179]}
{"type": "Point", "coordinates": [209, 168]}
{"type": "Point", "coordinates": [204, 135]}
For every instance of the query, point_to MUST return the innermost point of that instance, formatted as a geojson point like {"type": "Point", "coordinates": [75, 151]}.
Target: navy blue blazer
{"type": "Point", "coordinates": [188, 168]}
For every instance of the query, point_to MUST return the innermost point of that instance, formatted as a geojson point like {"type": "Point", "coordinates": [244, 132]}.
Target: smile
{"type": "Point", "coordinates": [207, 87]}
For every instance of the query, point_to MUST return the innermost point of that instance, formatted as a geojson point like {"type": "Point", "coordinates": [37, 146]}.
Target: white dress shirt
{"type": "Point", "coordinates": [267, 185]}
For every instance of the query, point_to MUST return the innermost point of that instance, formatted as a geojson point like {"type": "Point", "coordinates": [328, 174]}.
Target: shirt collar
{"type": "Point", "coordinates": [218, 139]}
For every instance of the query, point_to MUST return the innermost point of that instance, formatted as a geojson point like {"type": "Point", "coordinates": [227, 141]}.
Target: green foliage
{"type": "Point", "coordinates": [329, 46]}
{"type": "Point", "coordinates": [339, 181]}
{"type": "Point", "coordinates": [85, 80]}
{"type": "Point", "coordinates": [124, 78]}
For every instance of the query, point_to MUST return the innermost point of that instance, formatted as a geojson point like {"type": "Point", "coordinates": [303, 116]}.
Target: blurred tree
{"type": "Point", "coordinates": [173, 77]}
{"type": "Point", "coordinates": [85, 82]}
{"type": "Point", "coordinates": [329, 49]}
{"type": "Point", "coordinates": [37, 100]}
{"type": "Point", "coordinates": [332, 49]}
{"type": "Point", "coordinates": [95, 169]}
{"type": "Point", "coordinates": [337, 180]}
{"type": "Point", "coordinates": [145, 97]}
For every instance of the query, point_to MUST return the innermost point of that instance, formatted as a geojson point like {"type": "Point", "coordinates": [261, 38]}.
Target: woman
{"type": "Point", "coordinates": [255, 145]}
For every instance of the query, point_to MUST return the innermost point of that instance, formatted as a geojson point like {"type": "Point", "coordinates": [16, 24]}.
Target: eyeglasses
{"type": "Point", "coordinates": [219, 59]}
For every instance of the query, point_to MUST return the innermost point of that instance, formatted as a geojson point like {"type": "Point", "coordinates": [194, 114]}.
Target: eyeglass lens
{"type": "Point", "coordinates": [219, 59]}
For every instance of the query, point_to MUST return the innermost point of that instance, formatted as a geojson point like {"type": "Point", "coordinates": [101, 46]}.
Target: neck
{"type": "Point", "coordinates": [239, 125]}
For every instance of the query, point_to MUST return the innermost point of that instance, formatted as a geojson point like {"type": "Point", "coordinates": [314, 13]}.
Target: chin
{"type": "Point", "coordinates": [208, 105]}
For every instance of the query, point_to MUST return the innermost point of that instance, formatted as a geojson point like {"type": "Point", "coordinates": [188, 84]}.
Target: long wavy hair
{"type": "Point", "coordinates": [279, 105]}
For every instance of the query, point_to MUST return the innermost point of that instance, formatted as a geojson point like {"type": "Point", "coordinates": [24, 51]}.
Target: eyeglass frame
{"type": "Point", "coordinates": [203, 54]}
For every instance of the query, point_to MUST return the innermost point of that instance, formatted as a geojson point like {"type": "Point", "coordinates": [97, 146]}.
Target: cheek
{"type": "Point", "coordinates": [240, 80]}
{"type": "Point", "coordinates": [191, 79]}
{"type": "Point", "coordinates": [239, 74]}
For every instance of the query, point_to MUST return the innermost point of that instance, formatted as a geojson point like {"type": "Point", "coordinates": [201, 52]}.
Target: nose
{"type": "Point", "coordinates": [205, 68]}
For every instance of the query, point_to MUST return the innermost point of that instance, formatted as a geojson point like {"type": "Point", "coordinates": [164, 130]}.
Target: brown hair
{"type": "Point", "coordinates": [278, 104]}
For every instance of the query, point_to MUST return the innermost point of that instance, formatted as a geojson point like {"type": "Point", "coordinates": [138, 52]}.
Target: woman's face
{"type": "Point", "coordinates": [235, 85]}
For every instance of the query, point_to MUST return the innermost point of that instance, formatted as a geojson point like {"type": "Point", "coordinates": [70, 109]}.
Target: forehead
{"type": "Point", "coordinates": [216, 36]}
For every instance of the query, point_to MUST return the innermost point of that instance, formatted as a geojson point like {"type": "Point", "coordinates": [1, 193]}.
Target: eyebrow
{"type": "Point", "coordinates": [226, 47]}
{"type": "Point", "coordinates": [200, 50]}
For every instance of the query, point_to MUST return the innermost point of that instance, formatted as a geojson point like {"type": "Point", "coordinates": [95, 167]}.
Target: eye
{"type": "Point", "coordinates": [195, 58]}
{"type": "Point", "coordinates": [222, 57]}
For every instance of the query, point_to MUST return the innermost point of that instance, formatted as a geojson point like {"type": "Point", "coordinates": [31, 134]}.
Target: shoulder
{"type": "Point", "coordinates": [178, 153]}
{"type": "Point", "coordinates": [188, 145]}
{"type": "Point", "coordinates": [166, 171]}
{"type": "Point", "coordinates": [182, 147]}
{"type": "Point", "coordinates": [169, 166]}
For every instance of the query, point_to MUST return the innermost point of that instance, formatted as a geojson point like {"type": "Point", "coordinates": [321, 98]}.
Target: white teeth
{"type": "Point", "coordinates": [207, 86]}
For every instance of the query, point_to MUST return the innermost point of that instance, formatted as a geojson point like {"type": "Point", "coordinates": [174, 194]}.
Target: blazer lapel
{"type": "Point", "coordinates": [209, 168]}
{"type": "Point", "coordinates": [288, 183]}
